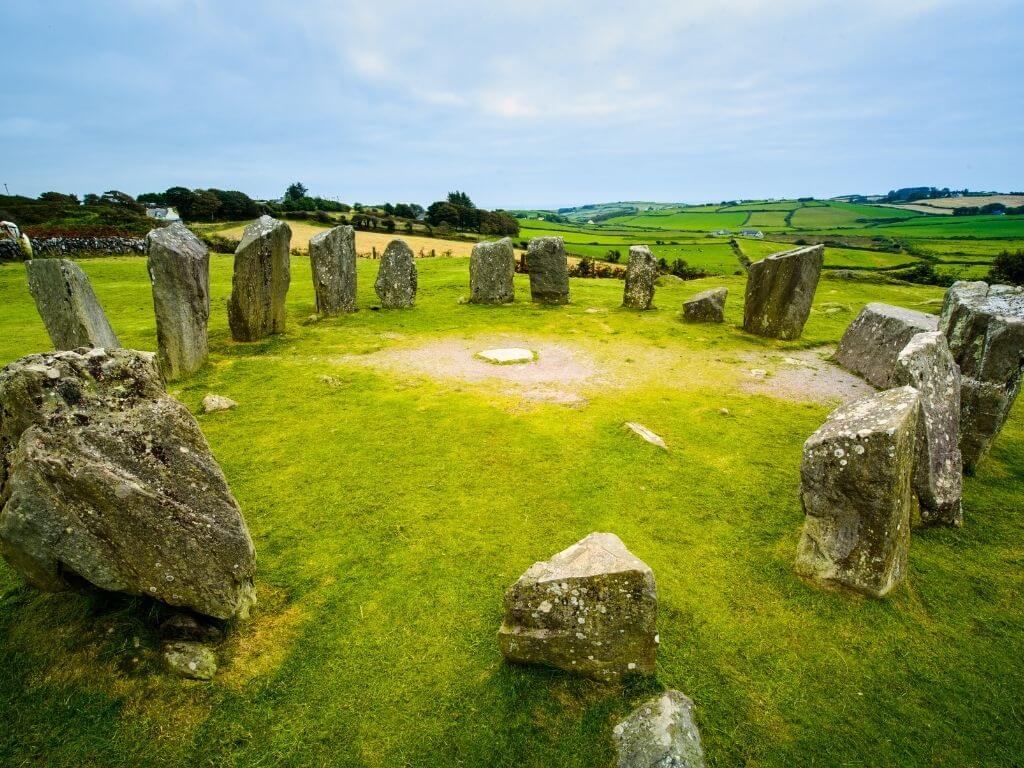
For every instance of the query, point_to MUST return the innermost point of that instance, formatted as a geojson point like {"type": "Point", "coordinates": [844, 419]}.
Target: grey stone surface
{"type": "Point", "coordinates": [186, 626]}
{"type": "Point", "coordinates": [927, 365]}
{"type": "Point", "coordinates": [985, 329]}
{"type": "Point", "coordinates": [260, 283]}
{"type": "Point", "coordinates": [780, 290]}
{"type": "Point", "coordinates": [191, 660]}
{"type": "Point", "coordinates": [332, 257]}
{"type": "Point", "coordinates": [874, 339]}
{"type": "Point", "coordinates": [660, 733]}
{"type": "Point", "coordinates": [641, 272]}
{"type": "Point", "coordinates": [706, 307]}
{"type": "Point", "coordinates": [213, 403]}
{"type": "Point", "coordinates": [396, 278]}
{"type": "Point", "coordinates": [856, 488]}
{"type": "Point", "coordinates": [492, 266]}
{"type": "Point", "coordinates": [70, 310]}
{"type": "Point", "coordinates": [591, 609]}
{"type": "Point", "coordinates": [179, 270]}
{"type": "Point", "coordinates": [105, 479]}
{"type": "Point", "coordinates": [549, 270]}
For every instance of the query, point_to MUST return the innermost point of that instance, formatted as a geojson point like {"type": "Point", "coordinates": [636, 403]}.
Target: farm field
{"type": "Point", "coordinates": [392, 500]}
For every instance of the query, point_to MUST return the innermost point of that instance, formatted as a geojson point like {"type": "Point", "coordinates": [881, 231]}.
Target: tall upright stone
{"type": "Point", "coordinates": [985, 328]}
{"type": "Point", "coordinates": [873, 341]}
{"type": "Point", "coordinates": [927, 365]}
{"type": "Point", "coordinates": [591, 609]}
{"type": "Point", "coordinates": [396, 278]}
{"type": "Point", "coordinates": [70, 310]}
{"type": "Point", "coordinates": [641, 272]}
{"type": "Point", "coordinates": [260, 283]}
{"type": "Point", "coordinates": [179, 270]}
{"type": "Point", "coordinates": [105, 479]}
{"type": "Point", "coordinates": [332, 257]}
{"type": "Point", "coordinates": [856, 487]}
{"type": "Point", "coordinates": [549, 270]}
{"type": "Point", "coordinates": [492, 267]}
{"type": "Point", "coordinates": [780, 290]}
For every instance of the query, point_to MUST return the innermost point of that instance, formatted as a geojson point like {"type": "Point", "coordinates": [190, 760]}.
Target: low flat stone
{"type": "Point", "coordinates": [645, 434]}
{"type": "Point", "coordinates": [660, 733]}
{"type": "Point", "coordinates": [857, 494]}
{"type": "Point", "coordinates": [68, 306]}
{"type": "Point", "coordinates": [591, 609]}
{"type": "Point", "coordinates": [705, 307]}
{"type": "Point", "coordinates": [191, 660]}
{"type": "Point", "coordinates": [876, 337]}
{"type": "Point", "coordinates": [507, 355]}
{"type": "Point", "coordinates": [212, 403]}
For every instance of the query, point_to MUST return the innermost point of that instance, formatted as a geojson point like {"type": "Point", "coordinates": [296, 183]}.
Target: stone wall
{"type": "Point", "coordinates": [70, 246]}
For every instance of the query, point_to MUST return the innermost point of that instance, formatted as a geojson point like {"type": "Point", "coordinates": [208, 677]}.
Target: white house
{"type": "Point", "coordinates": [721, 233]}
{"type": "Point", "coordinates": [163, 214]}
{"type": "Point", "coordinates": [757, 233]}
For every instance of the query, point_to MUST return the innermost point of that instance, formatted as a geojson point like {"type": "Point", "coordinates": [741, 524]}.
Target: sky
{"type": "Point", "coordinates": [522, 105]}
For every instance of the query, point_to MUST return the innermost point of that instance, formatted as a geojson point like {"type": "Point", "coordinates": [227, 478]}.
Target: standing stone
{"type": "Point", "coordinates": [985, 329]}
{"type": "Point", "coordinates": [927, 365]}
{"type": "Point", "coordinates": [780, 289]}
{"type": "Point", "coordinates": [107, 480]}
{"type": "Point", "coordinates": [396, 278]}
{"type": "Point", "coordinates": [71, 313]}
{"type": "Point", "coordinates": [641, 273]}
{"type": "Point", "coordinates": [706, 307]}
{"type": "Point", "coordinates": [332, 257]}
{"type": "Point", "coordinates": [260, 283]}
{"type": "Point", "coordinates": [660, 733]}
{"type": "Point", "coordinates": [549, 271]}
{"type": "Point", "coordinates": [179, 269]}
{"type": "Point", "coordinates": [492, 266]}
{"type": "Point", "coordinates": [857, 494]}
{"type": "Point", "coordinates": [591, 609]}
{"type": "Point", "coordinates": [874, 339]}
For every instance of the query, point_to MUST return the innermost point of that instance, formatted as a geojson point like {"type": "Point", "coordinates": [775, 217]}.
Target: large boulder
{"type": "Point", "coordinates": [874, 339]}
{"type": "Point", "coordinates": [641, 273]}
{"type": "Point", "coordinates": [179, 269]}
{"type": "Point", "coordinates": [660, 733]}
{"type": "Point", "coordinates": [107, 480]}
{"type": "Point", "coordinates": [591, 609]}
{"type": "Point", "coordinates": [780, 289]}
{"type": "Point", "coordinates": [549, 270]}
{"type": "Point", "coordinates": [927, 365]}
{"type": "Point", "coordinates": [260, 283]}
{"type": "Point", "coordinates": [332, 257]}
{"type": "Point", "coordinates": [70, 310]}
{"type": "Point", "coordinates": [396, 278]}
{"type": "Point", "coordinates": [492, 266]}
{"type": "Point", "coordinates": [985, 328]}
{"type": "Point", "coordinates": [856, 488]}
{"type": "Point", "coordinates": [706, 307]}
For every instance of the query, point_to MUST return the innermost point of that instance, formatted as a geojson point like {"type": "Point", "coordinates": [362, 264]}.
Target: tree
{"type": "Point", "coordinates": [205, 205]}
{"type": "Point", "coordinates": [121, 200]}
{"type": "Point", "coordinates": [442, 212]}
{"type": "Point", "coordinates": [57, 197]}
{"type": "Point", "coordinates": [460, 199]}
{"type": "Point", "coordinates": [235, 205]}
{"type": "Point", "coordinates": [1008, 268]}
{"type": "Point", "coordinates": [181, 199]}
{"type": "Point", "coordinates": [296, 191]}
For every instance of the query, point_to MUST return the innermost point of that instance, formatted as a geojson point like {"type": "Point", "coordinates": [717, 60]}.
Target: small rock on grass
{"type": "Point", "coordinates": [191, 660]}
{"type": "Point", "coordinates": [213, 403]}
{"type": "Point", "coordinates": [645, 434]}
{"type": "Point", "coordinates": [660, 733]}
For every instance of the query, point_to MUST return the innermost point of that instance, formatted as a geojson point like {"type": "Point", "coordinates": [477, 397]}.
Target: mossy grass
{"type": "Point", "coordinates": [391, 511]}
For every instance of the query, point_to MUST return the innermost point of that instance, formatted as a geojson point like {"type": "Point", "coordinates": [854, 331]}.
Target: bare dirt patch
{"type": "Point", "coordinates": [806, 375]}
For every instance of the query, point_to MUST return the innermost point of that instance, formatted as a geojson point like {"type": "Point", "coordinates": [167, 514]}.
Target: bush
{"type": "Point", "coordinates": [1008, 268]}
{"type": "Point", "coordinates": [923, 274]}
{"type": "Point", "coordinates": [614, 256]}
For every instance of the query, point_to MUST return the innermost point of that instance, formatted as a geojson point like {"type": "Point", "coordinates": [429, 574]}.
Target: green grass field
{"type": "Point", "coordinates": [391, 509]}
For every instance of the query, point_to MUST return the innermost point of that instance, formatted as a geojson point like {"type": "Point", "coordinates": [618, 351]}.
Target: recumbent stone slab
{"type": "Point", "coordinates": [873, 341]}
{"type": "Point", "coordinates": [105, 479]}
{"type": "Point", "coordinates": [396, 278]}
{"type": "Point", "coordinates": [927, 365]}
{"type": "Point", "coordinates": [260, 283]}
{"type": "Point", "coordinates": [70, 310]}
{"type": "Point", "coordinates": [549, 270]}
{"type": "Point", "coordinates": [660, 733]}
{"type": "Point", "coordinates": [641, 272]}
{"type": "Point", "coordinates": [780, 290]}
{"type": "Point", "coordinates": [332, 258]}
{"type": "Point", "coordinates": [856, 489]}
{"type": "Point", "coordinates": [492, 266]}
{"type": "Point", "coordinates": [591, 609]}
{"type": "Point", "coordinates": [507, 355]}
{"type": "Point", "coordinates": [985, 328]}
{"type": "Point", "coordinates": [179, 270]}
{"type": "Point", "coordinates": [706, 307]}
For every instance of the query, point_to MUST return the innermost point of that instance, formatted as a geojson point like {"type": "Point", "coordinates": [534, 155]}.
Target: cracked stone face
{"type": "Point", "coordinates": [660, 733]}
{"type": "Point", "coordinates": [68, 306]}
{"type": "Point", "coordinates": [549, 270]}
{"type": "Point", "coordinates": [591, 609]}
{"type": "Point", "coordinates": [875, 338]}
{"type": "Point", "coordinates": [780, 290]}
{"type": "Point", "coordinates": [260, 282]}
{"type": "Point", "coordinates": [641, 273]}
